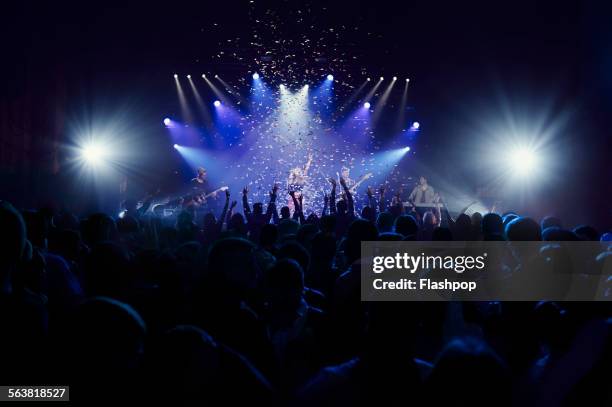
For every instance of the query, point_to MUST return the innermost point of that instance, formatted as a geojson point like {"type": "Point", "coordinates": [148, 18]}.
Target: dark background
{"type": "Point", "coordinates": [466, 61]}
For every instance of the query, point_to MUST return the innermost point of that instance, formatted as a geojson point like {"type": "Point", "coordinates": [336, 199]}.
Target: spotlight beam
{"type": "Point", "coordinates": [231, 90]}
{"type": "Point", "coordinates": [381, 102]}
{"type": "Point", "coordinates": [372, 91]}
{"type": "Point", "coordinates": [353, 96]}
{"type": "Point", "coordinates": [402, 108]}
{"type": "Point", "coordinates": [185, 110]}
{"type": "Point", "coordinates": [201, 106]}
{"type": "Point", "coordinates": [220, 95]}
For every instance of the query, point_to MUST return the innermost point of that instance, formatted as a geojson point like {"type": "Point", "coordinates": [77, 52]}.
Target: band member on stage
{"type": "Point", "coordinates": [199, 184]}
{"type": "Point", "coordinates": [422, 193]}
{"type": "Point", "coordinates": [351, 183]}
{"type": "Point", "coordinates": [298, 178]}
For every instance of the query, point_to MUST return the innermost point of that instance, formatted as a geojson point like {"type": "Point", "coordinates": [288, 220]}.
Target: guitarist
{"type": "Point", "coordinates": [351, 183]}
{"type": "Point", "coordinates": [199, 184]}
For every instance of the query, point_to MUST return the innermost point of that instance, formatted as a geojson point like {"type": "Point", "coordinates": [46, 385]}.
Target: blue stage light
{"type": "Point", "coordinates": [167, 121]}
{"type": "Point", "coordinates": [255, 76]}
{"type": "Point", "coordinates": [176, 146]}
{"type": "Point", "coordinates": [330, 77]}
{"type": "Point", "coordinates": [367, 105]}
{"type": "Point", "coordinates": [416, 125]}
{"type": "Point", "coordinates": [217, 103]}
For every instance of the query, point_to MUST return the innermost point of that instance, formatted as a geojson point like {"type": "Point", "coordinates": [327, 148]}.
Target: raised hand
{"type": "Point", "coordinates": [227, 194]}
{"type": "Point", "coordinates": [245, 190]}
{"type": "Point", "coordinates": [325, 198]}
{"type": "Point", "coordinates": [233, 205]}
{"type": "Point", "coordinates": [333, 182]}
{"type": "Point", "coordinates": [369, 192]}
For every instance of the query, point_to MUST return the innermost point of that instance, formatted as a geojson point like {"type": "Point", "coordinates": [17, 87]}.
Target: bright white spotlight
{"type": "Point", "coordinates": [395, 78]}
{"type": "Point", "coordinates": [216, 76]}
{"type": "Point", "coordinates": [416, 125]}
{"type": "Point", "coordinates": [367, 105]}
{"type": "Point", "coordinates": [255, 76]}
{"type": "Point", "coordinates": [330, 77]}
{"type": "Point", "coordinates": [188, 76]}
{"type": "Point", "coordinates": [522, 160]}
{"type": "Point", "coordinates": [176, 146]}
{"type": "Point", "coordinates": [175, 76]}
{"type": "Point", "coordinates": [94, 153]}
{"type": "Point", "coordinates": [204, 75]}
{"type": "Point", "coordinates": [368, 79]}
{"type": "Point", "coordinates": [217, 103]}
{"type": "Point", "coordinates": [167, 121]}
{"type": "Point", "coordinates": [306, 86]}
{"type": "Point", "coordinates": [407, 148]}
{"type": "Point", "coordinates": [282, 86]}
{"type": "Point", "coordinates": [407, 79]}
{"type": "Point", "coordinates": [381, 78]}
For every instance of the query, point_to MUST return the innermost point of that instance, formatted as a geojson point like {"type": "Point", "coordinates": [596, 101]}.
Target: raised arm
{"type": "Point", "coordinates": [231, 211]}
{"type": "Point", "coordinates": [371, 203]}
{"type": "Point", "coordinates": [271, 210]}
{"type": "Point", "coordinates": [325, 204]}
{"type": "Point", "coordinates": [308, 164]}
{"type": "Point", "coordinates": [245, 202]}
{"type": "Point", "coordinates": [349, 197]}
{"type": "Point", "coordinates": [332, 197]}
{"type": "Point", "coordinates": [381, 199]}
{"type": "Point", "coordinates": [224, 211]}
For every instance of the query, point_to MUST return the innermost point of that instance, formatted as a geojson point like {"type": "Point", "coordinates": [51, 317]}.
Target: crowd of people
{"type": "Point", "coordinates": [263, 305]}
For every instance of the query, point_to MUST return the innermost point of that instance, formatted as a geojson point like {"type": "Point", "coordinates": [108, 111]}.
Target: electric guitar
{"type": "Point", "coordinates": [360, 181]}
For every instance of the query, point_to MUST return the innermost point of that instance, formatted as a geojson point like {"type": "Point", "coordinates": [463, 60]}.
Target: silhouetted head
{"type": "Point", "coordinates": [556, 234]}
{"type": "Point", "coordinates": [237, 224]}
{"type": "Point", "coordinates": [258, 208]}
{"type": "Point", "coordinates": [549, 221]}
{"type": "Point", "coordinates": [463, 362]}
{"type": "Point", "coordinates": [285, 212]}
{"type": "Point", "coordinates": [367, 212]}
{"type": "Point", "coordinates": [441, 234]}
{"type": "Point", "coordinates": [209, 221]}
{"type": "Point", "coordinates": [585, 232]}
{"type": "Point", "coordinates": [107, 269]}
{"type": "Point", "coordinates": [323, 249]}
{"type": "Point", "coordinates": [523, 230]}
{"type": "Point", "coordinates": [384, 222]}
{"type": "Point", "coordinates": [429, 219]}
{"type": "Point", "coordinates": [268, 235]}
{"type": "Point", "coordinates": [295, 251]}
{"type": "Point", "coordinates": [328, 224]}
{"type": "Point", "coordinates": [233, 261]}
{"type": "Point", "coordinates": [406, 225]}
{"type": "Point", "coordinates": [509, 217]}
{"type": "Point", "coordinates": [284, 286]}
{"type": "Point", "coordinates": [492, 225]}
{"type": "Point", "coordinates": [359, 231]}
{"type": "Point", "coordinates": [107, 335]}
